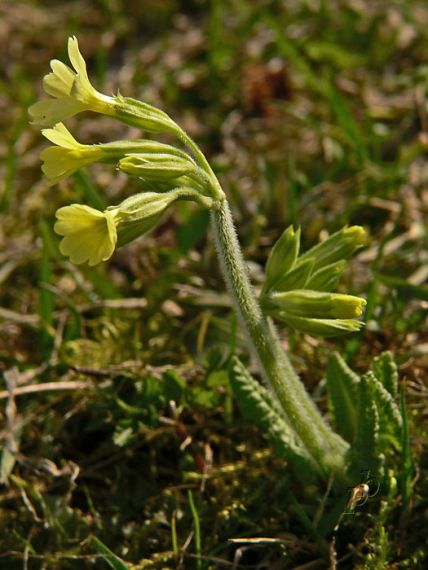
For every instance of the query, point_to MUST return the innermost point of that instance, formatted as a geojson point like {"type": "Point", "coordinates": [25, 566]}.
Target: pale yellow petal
{"type": "Point", "coordinates": [82, 90]}
{"type": "Point", "coordinates": [89, 235]}
{"type": "Point", "coordinates": [59, 162]}
{"type": "Point", "coordinates": [51, 111]}
{"type": "Point", "coordinates": [76, 57]}
{"type": "Point", "coordinates": [60, 81]}
{"type": "Point", "coordinates": [61, 136]}
{"type": "Point", "coordinates": [76, 217]}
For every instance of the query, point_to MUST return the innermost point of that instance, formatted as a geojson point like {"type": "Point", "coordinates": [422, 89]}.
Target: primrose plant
{"type": "Point", "coordinates": [297, 290]}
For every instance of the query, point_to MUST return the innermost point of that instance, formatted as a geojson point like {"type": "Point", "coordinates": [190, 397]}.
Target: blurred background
{"type": "Point", "coordinates": [312, 113]}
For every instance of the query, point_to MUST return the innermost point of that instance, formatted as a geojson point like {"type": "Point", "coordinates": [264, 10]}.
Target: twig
{"type": "Point", "coordinates": [33, 319]}
{"type": "Point", "coordinates": [46, 387]}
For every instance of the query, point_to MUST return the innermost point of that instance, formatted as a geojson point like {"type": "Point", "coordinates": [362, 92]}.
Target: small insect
{"type": "Point", "coordinates": [358, 497]}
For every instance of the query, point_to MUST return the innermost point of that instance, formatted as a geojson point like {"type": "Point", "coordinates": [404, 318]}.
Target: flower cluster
{"type": "Point", "coordinates": [91, 236]}
{"type": "Point", "coordinates": [297, 290]}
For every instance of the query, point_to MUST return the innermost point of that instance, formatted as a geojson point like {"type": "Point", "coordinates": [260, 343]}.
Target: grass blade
{"type": "Point", "coordinates": [112, 560]}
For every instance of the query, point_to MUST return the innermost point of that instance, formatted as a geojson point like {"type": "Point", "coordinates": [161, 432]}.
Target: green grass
{"type": "Point", "coordinates": [130, 450]}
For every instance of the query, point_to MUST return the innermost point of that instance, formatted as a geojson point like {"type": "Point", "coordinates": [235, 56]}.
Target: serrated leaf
{"type": "Point", "coordinates": [258, 406]}
{"type": "Point", "coordinates": [385, 370]}
{"type": "Point", "coordinates": [389, 413]}
{"type": "Point", "coordinates": [283, 256]}
{"type": "Point", "coordinates": [343, 394]}
{"type": "Point", "coordinates": [406, 457]}
{"type": "Point", "coordinates": [365, 450]}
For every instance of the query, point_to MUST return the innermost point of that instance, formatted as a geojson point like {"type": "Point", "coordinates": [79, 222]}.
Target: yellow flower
{"type": "Point", "coordinates": [88, 234]}
{"type": "Point", "coordinates": [91, 236]}
{"type": "Point", "coordinates": [63, 160]}
{"type": "Point", "coordinates": [72, 91]}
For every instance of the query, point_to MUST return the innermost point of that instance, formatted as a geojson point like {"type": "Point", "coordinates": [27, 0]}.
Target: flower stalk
{"type": "Point", "coordinates": [326, 447]}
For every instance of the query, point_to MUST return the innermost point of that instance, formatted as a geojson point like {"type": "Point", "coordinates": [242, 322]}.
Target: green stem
{"type": "Point", "coordinates": [326, 447]}
{"type": "Point", "coordinates": [203, 163]}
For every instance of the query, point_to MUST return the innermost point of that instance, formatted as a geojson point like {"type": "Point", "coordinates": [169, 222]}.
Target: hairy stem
{"type": "Point", "coordinates": [326, 447]}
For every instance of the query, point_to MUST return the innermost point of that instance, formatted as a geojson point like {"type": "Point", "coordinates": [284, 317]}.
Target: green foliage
{"type": "Point", "coordinates": [365, 452]}
{"type": "Point", "coordinates": [343, 393]}
{"type": "Point", "coordinates": [407, 467]}
{"type": "Point", "coordinates": [385, 370]}
{"type": "Point", "coordinates": [389, 414]}
{"type": "Point", "coordinates": [258, 406]}
{"type": "Point", "coordinates": [364, 411]}
{"type": "Point", "coordinates": [106, 554]}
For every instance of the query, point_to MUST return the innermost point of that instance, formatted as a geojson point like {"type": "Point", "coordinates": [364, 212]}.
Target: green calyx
{"type": "Point", "coordinates": [340, 245]}
{"type": "Point", "coordinates": [140, 213]}
{"type": "Point", "coordinates": [142, 115]}
{"type": "Point", "coordinates": [316, 304]}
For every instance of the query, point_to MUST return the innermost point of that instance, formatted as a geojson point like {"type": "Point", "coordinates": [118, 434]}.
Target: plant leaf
{"type": "Point", "coordinates": [112, 560]}
{"type": "Point", "coordinates": [385, 370]}
{"type": "Point", "coordinates": [258, 406]}
{"type": "Point", "coordinates": [406, 461]}
{"type": "Point", "coordinates": [365, 450]}
{"type": "Point", "coordinates": [389, 413]}
{"type": "Point", "coordinates": [343, 394]}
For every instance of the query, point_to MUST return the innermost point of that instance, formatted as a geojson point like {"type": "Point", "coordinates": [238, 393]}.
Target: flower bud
{"type": "Point", "coordinates": [340, 245]}
{"type": "Point", "coordinates": [297, 278]}
{"type": "Point", "coordinates": [156, 166]}
{"type": "Point", "coordinates": [326, 278]}
{"type": "Point", "coordinates": [283, 256]}
{"type": "Point", "coordinates": [319, 305]}
{"type": "Point", "coordinates": [69, 155]}
{"type": "Point", "coordinates": [321, 327]}
{"type": "Point", "coordinates": [142, 115]}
